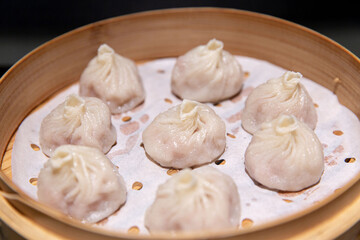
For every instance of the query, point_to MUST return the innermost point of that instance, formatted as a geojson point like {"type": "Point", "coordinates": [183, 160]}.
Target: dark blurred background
{"type": "Point", "coordinates": [26, 24]}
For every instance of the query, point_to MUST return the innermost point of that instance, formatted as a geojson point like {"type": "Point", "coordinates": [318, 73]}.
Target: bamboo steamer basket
{"type": "Point", "coordinates": [170, 33]}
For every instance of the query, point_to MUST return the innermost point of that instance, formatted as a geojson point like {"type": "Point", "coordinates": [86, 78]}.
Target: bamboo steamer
{"type": "Point", "coordinates": [170, 33]}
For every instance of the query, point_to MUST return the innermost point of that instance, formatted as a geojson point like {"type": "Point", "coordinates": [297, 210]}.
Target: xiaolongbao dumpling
{"type": "Point", "coordinates": [207, 73]}
{"type": "Point", "coordinates": [114, 79]}
{"type": "Point", "coordinates": [283, 95]}
{"type": "Point", "coordinates": [194, 200]}
{"type": "Point", "coordinates": [186, 135]}
{"type": "Point", "coordinates": [79, 121]}
{"type": "Point", "coordinates": [285, 154]}
{"type": "Point", "coordinates": [82, 183]}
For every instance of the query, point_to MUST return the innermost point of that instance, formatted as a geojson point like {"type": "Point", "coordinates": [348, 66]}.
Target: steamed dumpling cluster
{"type": "Point", "coordinates": [186, 135]}
{"type": "Point", "coordinates": [114, 79]}
{"type": "Point", "coordinates": [285, 154]}
{"type": "Point", "coordinates": [192, 200]}
{"type": "Point", "coordinates": [82, 183]}
{"type": "Point", "coordinates": [207, 73]}
{"type": "Point", "coordinates": [80, 121]}
{"type": "Point", "coordinates": [283, 95]}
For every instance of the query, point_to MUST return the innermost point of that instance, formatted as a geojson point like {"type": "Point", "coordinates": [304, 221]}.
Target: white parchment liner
{"type": "Point", "coordinates": [258, 204]}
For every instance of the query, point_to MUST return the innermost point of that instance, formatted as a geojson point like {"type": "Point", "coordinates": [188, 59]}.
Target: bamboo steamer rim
{"type": "Point", "coordinates": [16, 194]}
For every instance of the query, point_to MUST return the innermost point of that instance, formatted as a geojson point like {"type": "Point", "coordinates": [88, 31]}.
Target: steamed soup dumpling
{"type": "Point", "coordinates": [82, 183]}
{"type": "Point", "coordinates": [207, 73]}
{"type": "Point", "coordinates": [114, 79]}
{"type": "Point", "coordinates": [79, 121]}
{"type": "Point", "coordinates": [194, 200]}
{"type": "Point", "coordinates": [285, 154]}
{"type": "Point", "coordinates": [283, 95]}
{"type": "Point", "coordinates": [186, 135]}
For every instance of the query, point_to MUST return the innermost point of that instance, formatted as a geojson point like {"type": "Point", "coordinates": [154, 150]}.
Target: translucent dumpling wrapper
{"type": "Point", "coordinates": [81, 182]}
{"type": "Point", "coordinates": [285, 154]}
{"type": "Point", "coordinates": [79, 121]}
{"type": "Point", "coordinates": [283, 95]}
{"type": "Point", "coordinates": [114, 79]}
{"type": "Point", "coordinates": [207, 73]}
{"type": "Point", "coordinates": [186, 135]}
{"type": "Point", "coordinates": [195, 200]}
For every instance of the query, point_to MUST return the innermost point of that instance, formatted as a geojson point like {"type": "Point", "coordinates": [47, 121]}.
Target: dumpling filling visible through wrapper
{"type": "Point", "coordinates": [79, 121]}
{"type": "Point", "coordinates": [283, 95]}
{"type": "Point", "coordinates": [114, 79]}
{"type": "Point", "coordinates": [207, 73]}
{"type": "Point", "coordinates": [82, 183]}
{"type": "Point", "coordinates": [194, 200]}
{"type": "Point", "coordinates": [186, 135]}
{"type": "Point", "coordinates": [285, 154]}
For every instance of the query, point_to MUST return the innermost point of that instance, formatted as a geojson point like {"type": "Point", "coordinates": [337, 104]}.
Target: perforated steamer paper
{"type": "Point", "coordinates": [338, 130]}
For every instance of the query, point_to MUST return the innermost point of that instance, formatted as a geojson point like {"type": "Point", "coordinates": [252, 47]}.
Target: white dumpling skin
{"type": "Point", "coordinates": [79, 121]}
{"type": "Point", "coordinates": [207, 73]}
{"type": "Point", "coordinates": [283, 95]}
{"type": "Point", "coordinates": [81, 182]}
{"type": "Point", "coordinates": [203, 199]}
{"type": "Point", "coordinates": [285, 154]}
{"type": "Point", "coordinates": [114, 79]}
{"type": "Point", "coordinates": [189, 134]}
